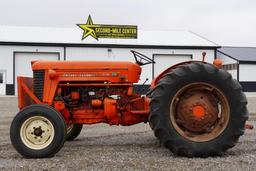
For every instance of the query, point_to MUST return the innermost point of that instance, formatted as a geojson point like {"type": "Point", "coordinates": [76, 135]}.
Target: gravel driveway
{"type": "Point", "coordinates": [101, 147]}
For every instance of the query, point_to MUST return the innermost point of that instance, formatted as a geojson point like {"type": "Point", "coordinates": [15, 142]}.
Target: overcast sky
{"type": "Point", "coordinates": [226, 22]}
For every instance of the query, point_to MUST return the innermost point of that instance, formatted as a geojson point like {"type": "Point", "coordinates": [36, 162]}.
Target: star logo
{"type": "Point", "coordinates": [88, 28]}
{"type": "Point", "coordinates": [98, 31]}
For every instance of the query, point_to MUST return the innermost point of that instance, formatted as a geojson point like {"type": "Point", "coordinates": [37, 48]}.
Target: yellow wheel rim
{"type": "Point", "coordinates": [37, 132]}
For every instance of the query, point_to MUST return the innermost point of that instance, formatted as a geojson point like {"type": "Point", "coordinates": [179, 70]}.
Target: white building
{"type": "Point", "coordinates": [241, 63]}
{"type": "Point", "coordinates": [20, 45]}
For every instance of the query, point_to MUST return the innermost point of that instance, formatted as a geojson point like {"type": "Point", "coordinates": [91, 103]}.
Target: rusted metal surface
{"type": "Point", "coordinates": [199, 112]}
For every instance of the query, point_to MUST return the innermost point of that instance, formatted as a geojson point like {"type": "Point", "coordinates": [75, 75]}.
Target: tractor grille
{"type": "Point", "coordinates": [38, 76]}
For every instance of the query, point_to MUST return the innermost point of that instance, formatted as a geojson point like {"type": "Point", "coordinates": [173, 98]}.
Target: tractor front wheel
{"type": "Point", "coordinates": [198, 110]}
{"type": "Point", "coordinates": [38, 131]}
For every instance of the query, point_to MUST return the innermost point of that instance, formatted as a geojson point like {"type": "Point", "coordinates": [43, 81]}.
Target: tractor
{"type": "Point", "coordinates": [194, 108]}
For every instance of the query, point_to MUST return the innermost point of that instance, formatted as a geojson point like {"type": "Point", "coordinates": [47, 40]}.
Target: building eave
{"type": "Point", "coordinates": [107, 45]}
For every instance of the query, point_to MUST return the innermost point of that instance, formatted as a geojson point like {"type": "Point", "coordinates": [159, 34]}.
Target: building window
{"type": "Point", "coordinates": [229, 67]}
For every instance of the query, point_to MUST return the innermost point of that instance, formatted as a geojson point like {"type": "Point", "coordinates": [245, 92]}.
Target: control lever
{"type": "Point", "coordinates": [142, 86]}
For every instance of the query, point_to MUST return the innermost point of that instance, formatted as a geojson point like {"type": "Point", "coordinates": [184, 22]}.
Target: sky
{"type": "Point", "coordinates": [225, 22]}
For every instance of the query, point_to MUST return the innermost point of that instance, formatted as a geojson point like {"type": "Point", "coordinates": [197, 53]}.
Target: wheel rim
{"type": "Point", "coordinates": [37, 132]}
{"type": "Point", "coordinates": [69, 128]}
{"type": "Point", "coordinates": [199, 112]}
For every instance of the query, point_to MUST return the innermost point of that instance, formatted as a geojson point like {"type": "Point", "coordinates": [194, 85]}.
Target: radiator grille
{"type": "Point", "coordinates": [38, 81]}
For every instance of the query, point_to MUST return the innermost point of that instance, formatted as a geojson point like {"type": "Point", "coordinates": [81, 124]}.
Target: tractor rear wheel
{"type": "Point", "coordinates": [38, 131]}
{"type": "Point", "coordinates": [198, 110]}
{"type": "Point", "coordinates": [73, 130]}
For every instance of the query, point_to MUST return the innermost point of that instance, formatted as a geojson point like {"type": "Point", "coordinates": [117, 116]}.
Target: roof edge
{"type": "Point", "coordinates": [106, 45]}
{"type": "Point", "coordinates": [238, 47]}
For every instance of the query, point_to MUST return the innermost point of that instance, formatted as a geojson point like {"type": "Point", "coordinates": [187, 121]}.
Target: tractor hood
{"type": "Point", "coordinates": [45, 65]}
{"type": "Point", "coordinates": [128, 70]}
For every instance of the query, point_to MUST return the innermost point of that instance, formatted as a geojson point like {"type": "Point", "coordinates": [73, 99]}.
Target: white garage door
{"type": "Point", "coordinates": [164, 61]}
{"type": "Point", "coordinates": [23, 63]}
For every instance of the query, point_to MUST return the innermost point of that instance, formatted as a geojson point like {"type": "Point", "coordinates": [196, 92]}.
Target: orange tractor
{"type": "Point", "coordinates": [194, 108]}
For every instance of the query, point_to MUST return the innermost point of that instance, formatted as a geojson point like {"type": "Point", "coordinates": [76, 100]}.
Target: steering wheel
{"type": "Point", "coordinates": [139, 58]}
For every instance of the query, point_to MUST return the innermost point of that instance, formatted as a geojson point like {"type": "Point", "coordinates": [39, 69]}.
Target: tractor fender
{"type": "Point", "coordinates": [156, 79]}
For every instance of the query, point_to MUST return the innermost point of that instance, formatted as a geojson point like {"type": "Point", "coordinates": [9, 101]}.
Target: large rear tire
{"type": "Point", "coordinates": [73, 131]}
{"type": "Point", "coordinates": [197, 110]}
{"type": "Point", "coordinates": [38, 131]}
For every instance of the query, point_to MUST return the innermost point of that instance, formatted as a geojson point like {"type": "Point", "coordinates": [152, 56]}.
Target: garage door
{"type": "Point", "coordinates": [23, 63]}
{"type": "Point", "coordinates": [164, 61]}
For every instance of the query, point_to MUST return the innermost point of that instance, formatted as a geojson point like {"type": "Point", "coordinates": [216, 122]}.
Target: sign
{"type": "Point", "coordinates": [108, 31]}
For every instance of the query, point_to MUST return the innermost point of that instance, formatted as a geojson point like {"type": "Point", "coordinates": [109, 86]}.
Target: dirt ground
{"type": "Point", "coordinates": [101, 147]}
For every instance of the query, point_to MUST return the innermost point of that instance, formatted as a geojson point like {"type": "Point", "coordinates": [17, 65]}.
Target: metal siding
{"type": "Point", "coordinates": [233, 73]}
{"type": "Point", "coordinates": [247, 72]}
{"type": "Point", "coordinates": [165, 61]}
